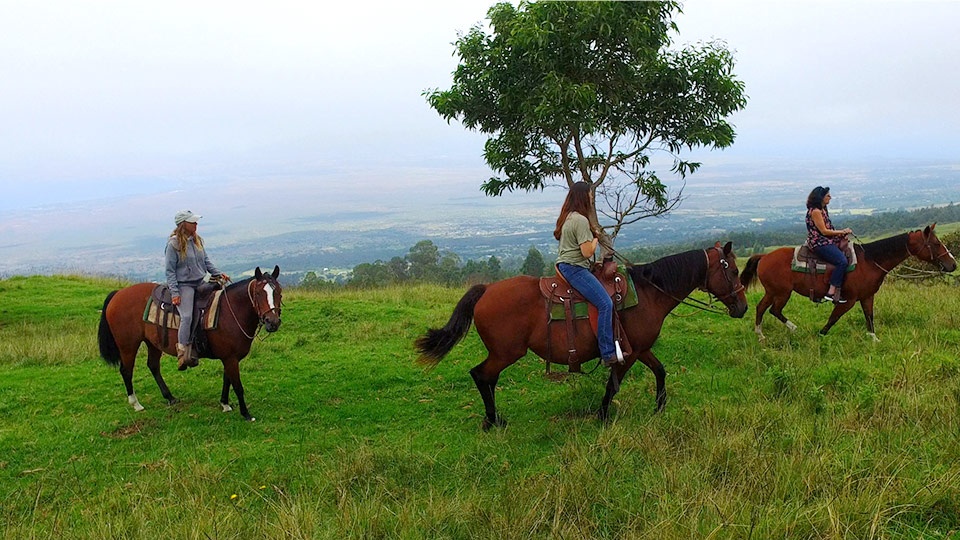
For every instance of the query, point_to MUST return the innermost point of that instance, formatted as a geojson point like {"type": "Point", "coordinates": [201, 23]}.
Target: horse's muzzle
{"type": "Point", "coordinates": [738, 310]}
{"type": "Point", "coordinates": [271, 324]}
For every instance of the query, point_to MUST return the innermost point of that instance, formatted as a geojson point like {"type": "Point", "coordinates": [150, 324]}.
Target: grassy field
{"type": "Point", "coordinates": [800, 437]}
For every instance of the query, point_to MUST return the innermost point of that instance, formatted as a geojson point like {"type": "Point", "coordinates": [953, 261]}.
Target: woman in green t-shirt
{"type": "Point", "coordinates": [578, 243]}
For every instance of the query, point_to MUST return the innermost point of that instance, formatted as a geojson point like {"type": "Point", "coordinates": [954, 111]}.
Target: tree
{"type": "Point", "coordinates": [589, 91]}
{"type": "Point", "coordinates": [424, 258]}
{"type": "Point", "coordinates": [533, 264]}
{"type": "Point", "coordinates": [367, 275]}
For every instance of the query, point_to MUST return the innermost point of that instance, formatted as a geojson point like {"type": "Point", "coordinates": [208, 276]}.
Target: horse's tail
{"type": "Point", "coordinates": [436, 343]}
{"type": "Point", "coordinates": [749, 274]}
{"type": "Point", "coordinates": [108, 344]}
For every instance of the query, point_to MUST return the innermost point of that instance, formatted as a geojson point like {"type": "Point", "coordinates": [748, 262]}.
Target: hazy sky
{"type": "Point", "coordinates": [107, 97]}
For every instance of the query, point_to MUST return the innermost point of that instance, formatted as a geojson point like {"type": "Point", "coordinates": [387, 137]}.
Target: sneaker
{"type": "Point", "coordinates": [835, 300]}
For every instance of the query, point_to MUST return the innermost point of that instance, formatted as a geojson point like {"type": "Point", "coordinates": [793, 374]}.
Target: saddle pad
{"type": "Point", "coordinates": [800, 266]}
{"type": "Point", "coordinates": [581, 309]}
{"type": "Point", "coordinates": [153, 314]}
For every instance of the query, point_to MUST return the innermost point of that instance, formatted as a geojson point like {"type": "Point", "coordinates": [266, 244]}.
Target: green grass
{"type": "Point", "coordinates": [800, 437]}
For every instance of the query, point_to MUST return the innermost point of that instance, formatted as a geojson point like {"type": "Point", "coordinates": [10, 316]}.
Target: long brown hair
{"type": "Point", "coordinates": [182, 236]}
{"type": "Point", "coordinates": [578, 200]}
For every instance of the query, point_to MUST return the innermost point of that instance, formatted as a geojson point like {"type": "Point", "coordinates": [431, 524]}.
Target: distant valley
{"type": "Point", "coordinates": [331, 223]}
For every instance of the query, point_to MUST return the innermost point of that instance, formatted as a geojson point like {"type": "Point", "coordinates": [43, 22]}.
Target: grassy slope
{"type": "Point", "coordinates": [801, 437]}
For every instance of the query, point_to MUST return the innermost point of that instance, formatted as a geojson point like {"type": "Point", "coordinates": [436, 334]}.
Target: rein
{"type": "Point", "coordinates": [699, 304]}
{"type": "Point", "coordinates": [917, 273]}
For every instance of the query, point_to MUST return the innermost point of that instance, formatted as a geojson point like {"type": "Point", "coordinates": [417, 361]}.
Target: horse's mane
{"type": "Point", "coordinates": [241, 283]}
{"type": "Point", "coordinates": [886, 246]}
{"type": "Point", "coordinates": [673, 272]}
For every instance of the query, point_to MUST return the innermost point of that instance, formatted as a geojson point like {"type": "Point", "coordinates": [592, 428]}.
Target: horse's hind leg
{"type": "Point", "coordinates": [485, 376]}
{"type": "Point", "coordinates": [153, 362]}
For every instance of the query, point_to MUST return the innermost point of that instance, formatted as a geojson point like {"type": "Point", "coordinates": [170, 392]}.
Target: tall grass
{"type": "Point", "coordinates": [799, 437]}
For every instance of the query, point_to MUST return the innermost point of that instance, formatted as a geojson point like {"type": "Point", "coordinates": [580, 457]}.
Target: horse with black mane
{"type": "Point", "coordinates": [245, 307]}
{"type": "Point", "coordinates": [875, 261]}
{"type": "Point", "coordinates": [510, 318]}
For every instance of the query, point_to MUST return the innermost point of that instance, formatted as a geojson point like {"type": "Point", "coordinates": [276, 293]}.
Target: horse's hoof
{"type": "Point", "coordinates": [499, 422]}
{"type": "Point", "coordinates": [173, 401]}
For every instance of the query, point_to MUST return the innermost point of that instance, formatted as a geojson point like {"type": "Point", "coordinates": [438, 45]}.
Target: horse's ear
{"type": "Point", "coordinates": [276, 271]}
{"type": "Point", "coordinates": [258, 274]}
{"type": "Point", "coordinates": [716, 245]}
{"type": "Point", "coordinates": [727, 248]}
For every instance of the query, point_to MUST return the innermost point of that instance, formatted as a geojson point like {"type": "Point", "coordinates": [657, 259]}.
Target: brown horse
{"type": "Point", "coordinates": [244, 307]}
{"type": "Point", "coordinates": [511, 318]}
{"type": "Point", "coordinates": [874, 261]}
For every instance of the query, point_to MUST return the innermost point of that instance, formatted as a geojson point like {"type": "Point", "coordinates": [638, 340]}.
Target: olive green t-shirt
{"type": "Point", "coordinates": [575, 231]}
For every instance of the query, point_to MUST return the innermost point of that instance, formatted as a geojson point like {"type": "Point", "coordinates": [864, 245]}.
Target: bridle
{"type": "Point", "coordinates": [927, 243]}
{"type": "Point", "coordinates": [722, 267]}
{"type": "Point", "coordinates": [254, 301]}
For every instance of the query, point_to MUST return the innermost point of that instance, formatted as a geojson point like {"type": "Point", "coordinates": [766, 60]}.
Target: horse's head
{"type": "Point", "coordinates": [925, 246]}
{"type": "Point", "coordinates": [723, 279]}
{"type": "Point", "coordinates": [266, 296]}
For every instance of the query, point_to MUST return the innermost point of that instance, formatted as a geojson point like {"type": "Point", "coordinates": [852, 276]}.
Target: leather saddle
{"type": "Point", "coordinates": [806, 261]}
{"type": "Point", "coordinates": [564, 303]}
{"type": "Point", "coordinates": [168, 315]}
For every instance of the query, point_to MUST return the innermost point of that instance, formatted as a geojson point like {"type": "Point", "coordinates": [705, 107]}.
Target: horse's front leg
{"type": "Point", "coordinates": [651, 361]}
{"type": "Point", "coordinates": [866, 304]}
{"type": "Point", "coordinates": [231, 374]}
{"type": "Point", "coordinates": [225, 394]}
{"type": "Point", "coordinates": [838, 311]}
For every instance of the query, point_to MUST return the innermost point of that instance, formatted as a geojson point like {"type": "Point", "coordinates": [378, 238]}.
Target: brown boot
{"type": "Point", "coordinates": [183, 356]}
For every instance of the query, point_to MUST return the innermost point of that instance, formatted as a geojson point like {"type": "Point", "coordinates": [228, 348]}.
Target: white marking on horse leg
{"type": "Point", "coordinates": [874, 336]}
{"type": "Point", "coordinates": [790, 326]}
{"type": "Point", "coordinates": [132, 399]}
{"type": "Point", "coordinates": [226, 407]}
{"type": "Point", "coordinates": [759, 331]}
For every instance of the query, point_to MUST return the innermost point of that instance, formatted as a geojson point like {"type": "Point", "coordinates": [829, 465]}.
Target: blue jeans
{"type": "Point", "coordinates": [832, 254]}
{"type": "Point", "coordinates": [587, 284]}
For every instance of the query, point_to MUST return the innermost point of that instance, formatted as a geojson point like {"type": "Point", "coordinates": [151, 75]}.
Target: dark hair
{"type": "Point", "coordinates": [815, 199]}
{"type": "Point", "coordinates": [578, 200]}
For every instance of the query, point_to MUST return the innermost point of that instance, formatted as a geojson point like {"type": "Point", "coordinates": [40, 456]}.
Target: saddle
{"type": "Point", "coordinates": [806, 261]}
{"type": "Point", "coordinates": [564, 303]}
{"type": "Point", "coordinates": [162, 312]}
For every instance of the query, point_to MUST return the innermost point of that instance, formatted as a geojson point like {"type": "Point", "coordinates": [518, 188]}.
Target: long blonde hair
{"type": "Point", "coordinates": [182, 236]}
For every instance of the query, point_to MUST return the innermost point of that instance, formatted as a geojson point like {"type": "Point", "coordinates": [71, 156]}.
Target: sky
{"type": "Point", "coordinates": [106, 98]}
